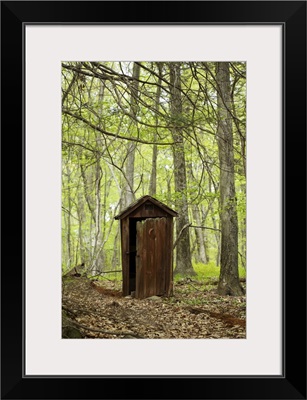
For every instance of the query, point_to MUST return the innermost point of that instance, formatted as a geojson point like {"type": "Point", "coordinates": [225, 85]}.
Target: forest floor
{"type": "Point", "coordinates": [97, 309]}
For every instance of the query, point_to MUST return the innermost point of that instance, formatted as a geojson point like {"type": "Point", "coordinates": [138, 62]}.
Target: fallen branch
{"type": "Point", "coordinates": [69, 311]}
{"type": "Point", "coordinates": [95, 329]}
{"type": "Point", "coordinates": [80, 310]}
{"type": "Point", "coordinates": [106, 272]}
{"type": "Point", "coordinates": [108, 332]}
{"type": "Point", "coordinates": [195, 288]}
{"type": "Point", "coordinates": [226, 318]}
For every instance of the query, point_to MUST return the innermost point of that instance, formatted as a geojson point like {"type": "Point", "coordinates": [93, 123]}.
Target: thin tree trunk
{"type": "Point", "coordinates": [81, 218]}
{"type": "Point", "coordinates": [115, 256]}
{"type": "Point", "coordinates": [199, 232]}
{"type": "Point", "coordinates": [229, 283]}
{"type": "Point", "coordinates": [87, 191]}
{"type": "Point", "coordinates": [97, 250]}
{"type": "Point", "coordinates": [153, 176]}
{"type": "Point", "coordinates": [243, 234]}
{"type": "Point", "coordinates": [129, 196]}
{"type": "Point", "coordinates": [183, 251]}
{"type": "Point", "coordinates": [217, 234]}
{"type": "Point", "coordinates": [68, 219]}
{"type": "Point", "coordinates": [200, 237]}
{"type": "Point", "coordinates": [98, 261]}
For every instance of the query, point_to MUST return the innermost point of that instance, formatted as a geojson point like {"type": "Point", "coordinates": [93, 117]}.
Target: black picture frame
{"type": "Point", "coordinates": [292, 16]}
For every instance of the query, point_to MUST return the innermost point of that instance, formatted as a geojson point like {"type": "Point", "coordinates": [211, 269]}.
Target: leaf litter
{"type": "Point", "coordinates": [195, 311]}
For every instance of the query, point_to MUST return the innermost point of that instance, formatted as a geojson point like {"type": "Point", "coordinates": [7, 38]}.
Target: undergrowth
{"type": "Point", "coordinates": [205, 272]}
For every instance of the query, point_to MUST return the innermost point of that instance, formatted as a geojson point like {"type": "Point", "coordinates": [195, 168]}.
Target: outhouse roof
{"type": "Point", "coordinates": [133, 206]}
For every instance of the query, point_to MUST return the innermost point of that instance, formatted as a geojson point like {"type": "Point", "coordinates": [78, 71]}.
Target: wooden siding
{"type": "Point", "coordinates": [169, 258]}
{"type": "Point", "coordinates": [146, 200]}
{"type": "Point", "coordinates": [153, 256]}
{"type": "Point", "coordinates": [125, 255]}
{"type": "Point", "coordinates": [142, 212]}
{"type": "Point", "coordinates": [147, 248]}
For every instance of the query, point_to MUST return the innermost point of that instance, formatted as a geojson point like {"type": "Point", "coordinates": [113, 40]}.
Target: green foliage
{"type": "Point", "coordinates": [100, 94]}
{"type": "Point", "coordinates": [205, 271]}
{"type": "Point", "coordinates": [210, 270]}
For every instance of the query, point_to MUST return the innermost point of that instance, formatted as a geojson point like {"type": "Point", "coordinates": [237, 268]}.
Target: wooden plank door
{"type": "Point", "coordinates": [151, 258]}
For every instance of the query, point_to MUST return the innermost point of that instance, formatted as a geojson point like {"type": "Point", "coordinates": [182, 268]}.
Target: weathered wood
{"type": "Point", "coordinates": [153, 258]}
{"type": "Point", "coordinates": [139, 264]}
{"type": "Point", "coordinates": [163, 250]}
{"type": "Point", "coordinates": [158, 206]}
{"type": "Point", "coordinates": [169, 270]}
{"type": "Point", "coordinates": [152, 213]}
{"type": "Point", "coordinates": [146, 240]}
{"type": "Point", "coordinates": [125, 256]}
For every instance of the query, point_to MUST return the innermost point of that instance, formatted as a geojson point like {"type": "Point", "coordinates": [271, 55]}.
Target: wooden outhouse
{"type": "Point", "coordinates": [147, 248]}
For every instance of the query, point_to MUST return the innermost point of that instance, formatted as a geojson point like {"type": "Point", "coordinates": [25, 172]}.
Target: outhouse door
{"type": "Point", "coordinates": [151, 257]}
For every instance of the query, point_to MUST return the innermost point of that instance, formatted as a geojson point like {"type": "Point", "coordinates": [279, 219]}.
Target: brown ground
{"type": "Point", "coordinates": [98, 310]}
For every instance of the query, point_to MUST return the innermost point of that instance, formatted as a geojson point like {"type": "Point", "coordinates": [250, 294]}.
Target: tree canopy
{"type": "Point", "coordinates": [174, 130]}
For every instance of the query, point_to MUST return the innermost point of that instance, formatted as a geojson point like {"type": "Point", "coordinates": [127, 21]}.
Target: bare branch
{"type": "Point", "coordinates": [132, 139]}
{"type": "Point", "coordinates": [204, 227]}
{"type": "Point", "coordinates": [180, 233]}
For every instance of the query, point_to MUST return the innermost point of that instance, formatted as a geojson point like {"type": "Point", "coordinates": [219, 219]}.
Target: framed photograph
{"type": "Point", "coordinates": [71, 75]}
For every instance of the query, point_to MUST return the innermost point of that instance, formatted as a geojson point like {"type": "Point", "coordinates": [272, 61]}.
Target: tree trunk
{"type": "Point", "coordinates": [200, 237]}
{"type": "Point", "coordinates": [229, 283]}
{"type": "Point", "coordinates": [199, 232]}
{"type": "Point", "coordinates": [98, 259]}
{"type": "Point", "coordinates": [68, 220]}
{"type": "Point", "coordinates": [116, 252]}
{"type": "Point", "coordinates": [183, 251]}
{"type": "Point", "coordinates": [243, 234]}
{"type": "Point", "coordinates": [81, 218]}
{"type": "Point", "coordinates": [129, 196]}
{"type": "Point", "coordinates": [86, 176]}
{"type": "Point", "coordinates": [217, 234]}
{"type": "Point", "coordinates": [153, 176]}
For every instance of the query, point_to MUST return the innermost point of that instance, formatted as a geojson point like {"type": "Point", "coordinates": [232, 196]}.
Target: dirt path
{"type": "Point", "coordinates": [195, 311]}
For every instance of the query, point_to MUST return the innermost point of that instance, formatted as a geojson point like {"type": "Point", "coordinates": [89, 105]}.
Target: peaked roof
{"type": "Point", "coordinates": [136, 204]}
